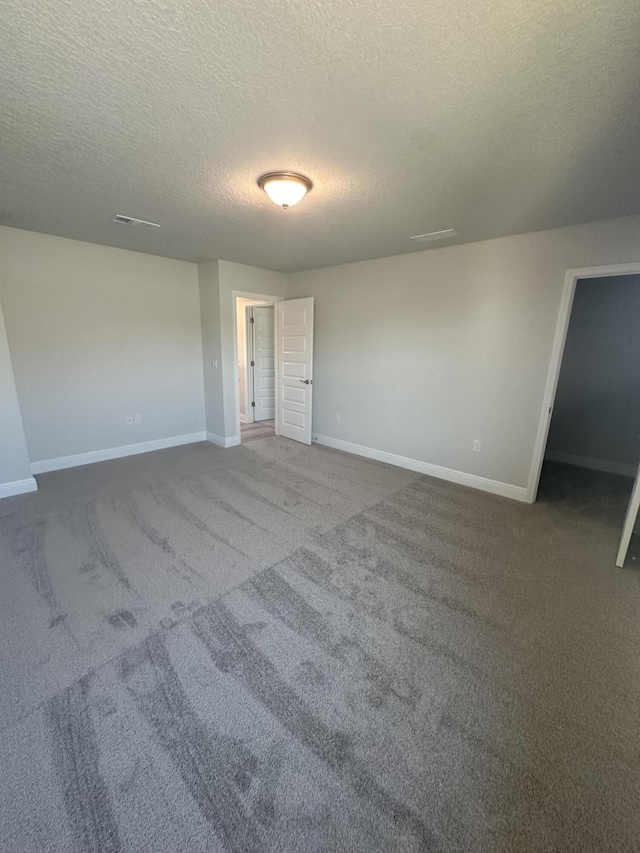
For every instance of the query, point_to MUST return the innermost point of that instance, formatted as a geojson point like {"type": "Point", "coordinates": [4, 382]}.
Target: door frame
{"type": "Point", "coordinates": [248, 356]}
{"type": "Point", "coordinates": [553, 374]}
{"type": "Point", "coordinates": [629, 522]}
{"type": "Point", "coordinates": [252, 357]}
{"type": "Point", "coordinates": [261, 299]}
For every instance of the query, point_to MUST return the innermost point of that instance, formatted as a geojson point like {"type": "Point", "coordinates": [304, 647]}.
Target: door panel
{"type": "Point", "coordinates": [293, 395]}
{"type": "Point", "coordinates": [294, 344]}
{"type": "Point", "coordinates": [264, 382]}
{"type": "Point", "coordinates": [295, 368]}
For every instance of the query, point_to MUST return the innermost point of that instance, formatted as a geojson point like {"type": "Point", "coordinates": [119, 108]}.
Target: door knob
{"type": "Point", "coordinates": [306, 381]}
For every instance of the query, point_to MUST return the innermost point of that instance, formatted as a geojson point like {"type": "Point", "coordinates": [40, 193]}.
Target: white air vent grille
{"type": "Point", "coordinates": [134, 223]}
{"type": "Point", "coordinates": [437, 235]}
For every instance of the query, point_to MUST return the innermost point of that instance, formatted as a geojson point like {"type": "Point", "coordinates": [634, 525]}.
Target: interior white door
{"type": "Point", "coordinates": [295, 368]}
{"type": "Point", "coordinates": [264, 370]}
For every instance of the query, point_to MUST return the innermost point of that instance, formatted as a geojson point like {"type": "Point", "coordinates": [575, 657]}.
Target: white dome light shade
{"type": "Point", "coordinates": [285, 188]}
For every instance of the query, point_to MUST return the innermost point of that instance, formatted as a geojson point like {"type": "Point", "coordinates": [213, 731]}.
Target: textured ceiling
{"type": "Point", "coordinates": [487, 116]}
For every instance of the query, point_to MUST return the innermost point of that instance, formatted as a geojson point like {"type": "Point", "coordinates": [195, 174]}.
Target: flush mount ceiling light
{"type": "Point", "coordinates": [285, 188]}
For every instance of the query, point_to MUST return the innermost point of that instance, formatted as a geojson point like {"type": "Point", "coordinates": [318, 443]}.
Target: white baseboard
{"type": "Point", "coordinates": [46, 465]}
{"type": "Point", "coordinates": [18, 487]}
{"type": "Point", "coordinates": [221, 441]}
{"type": "Point", "coordinates": [516, 493]}
{"type": "Point", "coordinates": [593, 464]}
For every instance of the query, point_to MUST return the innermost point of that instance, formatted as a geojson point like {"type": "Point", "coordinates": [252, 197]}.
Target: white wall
{"type": "Point", "coordinates": [95, 334]}
{"type": "Point", "coordinates": [209, 283]}
{"type": "Point", "coordinates": [596, 416]}
{"type": "Point", "coordinates": [415, 355]}
{"type": "Point", "coordinates": [15, 469]}
{"type": "Point", "coordinates": [420, 354]}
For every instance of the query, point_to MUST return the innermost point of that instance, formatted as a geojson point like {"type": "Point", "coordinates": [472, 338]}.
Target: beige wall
{"type": "Point", "coordinates": [95, 334]}
{"type": "Point", "coordinates": [420, 354]}
{"type": "Point", "coordinates": [14, 460]}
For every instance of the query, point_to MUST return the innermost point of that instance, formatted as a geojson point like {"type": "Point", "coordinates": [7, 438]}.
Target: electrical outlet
{"type": "Point", "coordinates": [214, 362]}
{"type": "Point", "coordinates": [137, 419]}
{"type": "Point", "coordinates": [129, 419]}
{"type": "Point", "coordinates": [476, 445]}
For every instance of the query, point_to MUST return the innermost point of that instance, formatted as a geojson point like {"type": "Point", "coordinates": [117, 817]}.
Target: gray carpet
{"type": "Point", "coordinates": [258, 429]}
{"type": "Point", "coordinates": [281, 648]}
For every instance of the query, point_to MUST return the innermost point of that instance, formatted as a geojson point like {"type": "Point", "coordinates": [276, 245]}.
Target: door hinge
{"type": "Point", "coordinates": [251, 320]}
{"type": "Point", "coordinates": [253, 404]}
{"type": "Point", "coordinates": [253, 364]}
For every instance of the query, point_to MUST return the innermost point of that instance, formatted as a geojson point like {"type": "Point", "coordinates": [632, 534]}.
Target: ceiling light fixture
{"type": "Point", "coordinates": [285, 188]}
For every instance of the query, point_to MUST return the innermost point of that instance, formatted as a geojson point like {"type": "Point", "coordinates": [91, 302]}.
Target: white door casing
{"type": "Point", "coordinates": [564, 315]}
{"type": "Point", "coordinates": [244, 347]}
{"type": "Point", "coordinates": [629, 522]}
{"type": "Point", "coordinates": [295, 368]}
{"type": "Point", "coordinates": [264, 392]}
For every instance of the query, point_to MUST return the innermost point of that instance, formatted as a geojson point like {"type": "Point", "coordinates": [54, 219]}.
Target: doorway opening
{"type": "Point", "coordinates": [280, 382]}
{"type": "Point", "coordinates": [592, 451]}
{"type": "Point", "coordinates": [255, 355]}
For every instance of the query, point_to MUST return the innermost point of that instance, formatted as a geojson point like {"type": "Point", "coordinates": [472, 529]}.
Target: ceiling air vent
{"type": "Point", "coordinates": [134, 223]}
{"type": "Point", "coordinates": [447, 234]}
